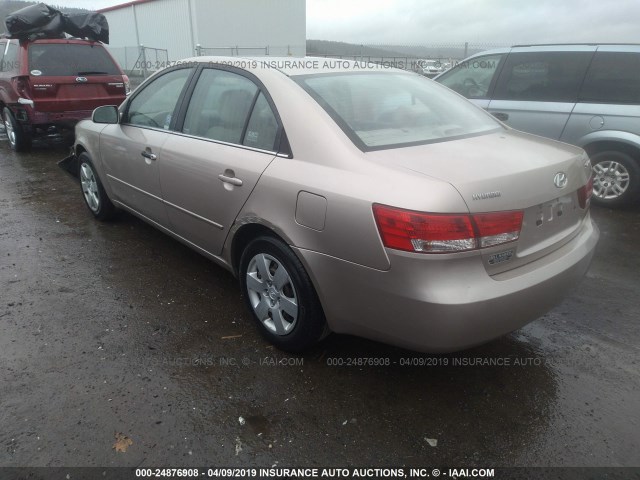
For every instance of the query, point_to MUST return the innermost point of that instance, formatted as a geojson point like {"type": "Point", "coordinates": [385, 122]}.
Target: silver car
{"type": "Point", "coordinates": [586, 95]}
{"type": "Point", "coordinates": [347, 198]}
{"type": "Point", "coordinates": [431, 68]}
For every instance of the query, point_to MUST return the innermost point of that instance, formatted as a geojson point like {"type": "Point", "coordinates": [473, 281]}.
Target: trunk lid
{"type": "Point", "coordinates": [506, 171]}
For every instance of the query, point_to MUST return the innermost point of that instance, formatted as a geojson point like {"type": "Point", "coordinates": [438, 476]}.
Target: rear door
{"type": "Point", "coordinates": [208, 170]}
{"type": "Point", "coordinates": [609, 102]}
{"type": "Point", "coordinates": [537, 90]}
{"type": "Point", "coordinates": [67, 75]}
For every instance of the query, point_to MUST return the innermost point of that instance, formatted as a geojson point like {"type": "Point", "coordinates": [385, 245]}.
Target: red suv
{"type": "Point", "coordinates": [48, 85]}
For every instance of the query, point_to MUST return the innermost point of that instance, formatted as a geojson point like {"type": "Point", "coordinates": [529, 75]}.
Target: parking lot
{"type": "Point", "coordinates": [115, 330]}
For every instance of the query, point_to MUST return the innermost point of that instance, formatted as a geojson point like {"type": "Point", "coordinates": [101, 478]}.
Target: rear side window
{"type": "Point", "coordinates": [9, 61]}
{"type": "Point", "coordinates": [262, 127]}
{"type": "Point", "coordinates": [70, 59]}
{"type": "Point", "coordinates": [220, 106]}
{"type": "Point", "coordinates": [542, 76]}
{"type": "Point", "coordinates": [613, 77]}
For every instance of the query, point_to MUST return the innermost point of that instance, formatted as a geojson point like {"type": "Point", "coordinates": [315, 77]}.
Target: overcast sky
{"type": "Point", "coordinates": [423, 22]}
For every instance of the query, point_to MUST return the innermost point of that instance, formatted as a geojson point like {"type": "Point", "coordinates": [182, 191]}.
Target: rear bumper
{"type": "Point", "coordinates": [445, 303]}
{"type": "Point", "coordinates": [66, 119]}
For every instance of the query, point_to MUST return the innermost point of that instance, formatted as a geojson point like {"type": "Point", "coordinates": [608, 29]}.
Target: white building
{"type": "Point", "coordinates": [213, 27]}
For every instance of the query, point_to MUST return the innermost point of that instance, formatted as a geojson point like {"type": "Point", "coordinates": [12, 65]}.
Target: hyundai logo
{"type": "Point", "coordinates": [560, 180]}
{"type": "Point", "coordinates": [81, 79]}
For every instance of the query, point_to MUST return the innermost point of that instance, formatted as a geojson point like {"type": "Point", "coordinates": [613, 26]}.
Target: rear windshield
{"type": "Point", "coordinates": [387, 109]}
{"type": "Point", "coordinates": [70, 59]}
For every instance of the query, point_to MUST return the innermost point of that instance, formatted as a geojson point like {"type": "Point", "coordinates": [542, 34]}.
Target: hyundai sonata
{"type": "Point", "coordinates": [347, 197]}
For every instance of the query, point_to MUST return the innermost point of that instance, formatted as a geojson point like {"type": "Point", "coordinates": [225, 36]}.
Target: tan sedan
{"type": "Point", "coordinates": [347, 198]}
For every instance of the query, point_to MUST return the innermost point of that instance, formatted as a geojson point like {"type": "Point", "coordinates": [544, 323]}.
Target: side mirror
{"type": "Point", "coordinates": [107, 114]}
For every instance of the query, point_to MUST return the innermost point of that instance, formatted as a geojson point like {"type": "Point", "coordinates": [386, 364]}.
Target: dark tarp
{"type": "Point", "coordinates": [91, 25]}
{"type": "Point", "coordinates": [43, 21]}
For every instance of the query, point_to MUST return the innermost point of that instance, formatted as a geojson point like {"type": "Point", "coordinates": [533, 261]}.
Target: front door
{"type": "Point", "coordinates": [132, 150]}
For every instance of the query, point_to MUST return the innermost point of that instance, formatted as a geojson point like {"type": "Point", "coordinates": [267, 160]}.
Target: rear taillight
{"type": "Point", "coordinates": [436, 233]}
{"type": "Point", "coordinates": [584, 193]}
{"type": "Point", "coordinates": [127, 85]}
{"type": "Point", "coordinates": [497, 228]}
{"type": "Point", "coordinates": [21, 85]}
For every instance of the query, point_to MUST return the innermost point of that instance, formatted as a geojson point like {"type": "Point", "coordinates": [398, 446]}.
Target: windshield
{"type": "Point", "coordinates": [70, 59]}
{"type": "Point", "coordinates": [383, 109]}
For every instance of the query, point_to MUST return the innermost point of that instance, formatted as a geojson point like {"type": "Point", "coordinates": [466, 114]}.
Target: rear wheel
{"type": "Point", "coordinates": [92, 190]}
{"type": "Point", "coordinates": [18, 139]}
{"type": "Point", "coordinates": [616, 178]}
{"type": "Point", "coordinates": [281, 295]}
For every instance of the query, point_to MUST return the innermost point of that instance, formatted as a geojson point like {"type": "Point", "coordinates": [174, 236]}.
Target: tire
{"type": "Point", "coordinates": [285, 306]}
{"type": "Point", "coordinates": [616, 178]}
{"type": "Point", "coordinates": [95, 198]}
{"type": "Point", "coordinates": [18, 139]}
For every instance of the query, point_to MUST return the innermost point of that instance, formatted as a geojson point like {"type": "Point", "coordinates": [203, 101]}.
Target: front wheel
{"type": "Point", "coordinates": [616, 178]}
{"type": "Point", "coordinates": [281, 295]}
{"type": "Point", "coordinates": [93, 192]}
{"type": "Point", "coordinates": [18, 139]}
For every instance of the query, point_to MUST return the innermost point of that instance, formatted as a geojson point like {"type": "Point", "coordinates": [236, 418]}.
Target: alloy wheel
{"type": "Point", "coordinates": [611, 179]}
{"type": "Point", "coordinates": [272, 294]}
{"type": "Point", "coordinates": [8, 125]}
{"type": "Point", "coordinates": [90, 187]}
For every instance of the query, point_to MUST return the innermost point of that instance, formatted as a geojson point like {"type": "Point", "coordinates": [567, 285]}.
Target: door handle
{"type": "Point", "coordinates": [503, 117]}
{"type": "Point", "coordinates": [147, 154]}
{"type": "Point", "coordinates": [230, 180]}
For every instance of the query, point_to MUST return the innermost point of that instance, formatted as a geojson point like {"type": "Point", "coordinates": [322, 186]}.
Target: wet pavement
{"type": "Point", "coordinates": [111, 329]}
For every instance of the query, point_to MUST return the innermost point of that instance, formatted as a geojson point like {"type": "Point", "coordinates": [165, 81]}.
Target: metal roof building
{"type": "Point", "coordinates": [211, 27]}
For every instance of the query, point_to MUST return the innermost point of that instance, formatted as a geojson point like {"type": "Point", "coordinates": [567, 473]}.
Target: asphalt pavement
{"type": "Point", "coordinates": [121, 347]}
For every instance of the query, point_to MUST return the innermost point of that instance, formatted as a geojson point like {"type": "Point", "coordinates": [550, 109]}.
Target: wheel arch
{"type": "Point", "coordinates": [604, 145]}
{"type": "Point", "coordinates": [601, 141]}
{"type": "Point", "coordinates": [240, 241]}
{"type": "Point", "coordinates": [243, 236]}
{"type": "Point", "coordinates": [79, 149]}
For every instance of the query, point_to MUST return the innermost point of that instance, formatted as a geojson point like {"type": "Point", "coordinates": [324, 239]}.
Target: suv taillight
{"type": "Point", "coordinates": [127, 85]}
{"type": "Point", "coordinates": [21, 85]}
{"type": "Point", "coordinates": [441, 233]}
{"type": "Point", "coordinates": [584, 193]}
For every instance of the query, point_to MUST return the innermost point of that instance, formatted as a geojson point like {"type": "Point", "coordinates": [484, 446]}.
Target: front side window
{"type": "Point", "coordinates": [382, 109]}
{"type": "Point", "coordinates": [542, 76]}
{"type": "Point", "coordinates": [155, 104]}
{"type": "Point", "coordinates": [472, 78]}
{"type": "Point", "coordinates": [70, 59]}
{"type": "Point", "coordinates": [613, 77]}
{"type": "Point", "coordinates": [220, 106]}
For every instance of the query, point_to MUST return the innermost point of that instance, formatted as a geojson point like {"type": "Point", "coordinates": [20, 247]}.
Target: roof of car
{"type": "Point", "coordinates": [292, 66]}
{"type": "Point", "coordinates": [594, 44]}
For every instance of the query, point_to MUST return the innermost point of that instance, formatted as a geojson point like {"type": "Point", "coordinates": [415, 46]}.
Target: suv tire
{"type": "Point", "coordinates": [18, 139]}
